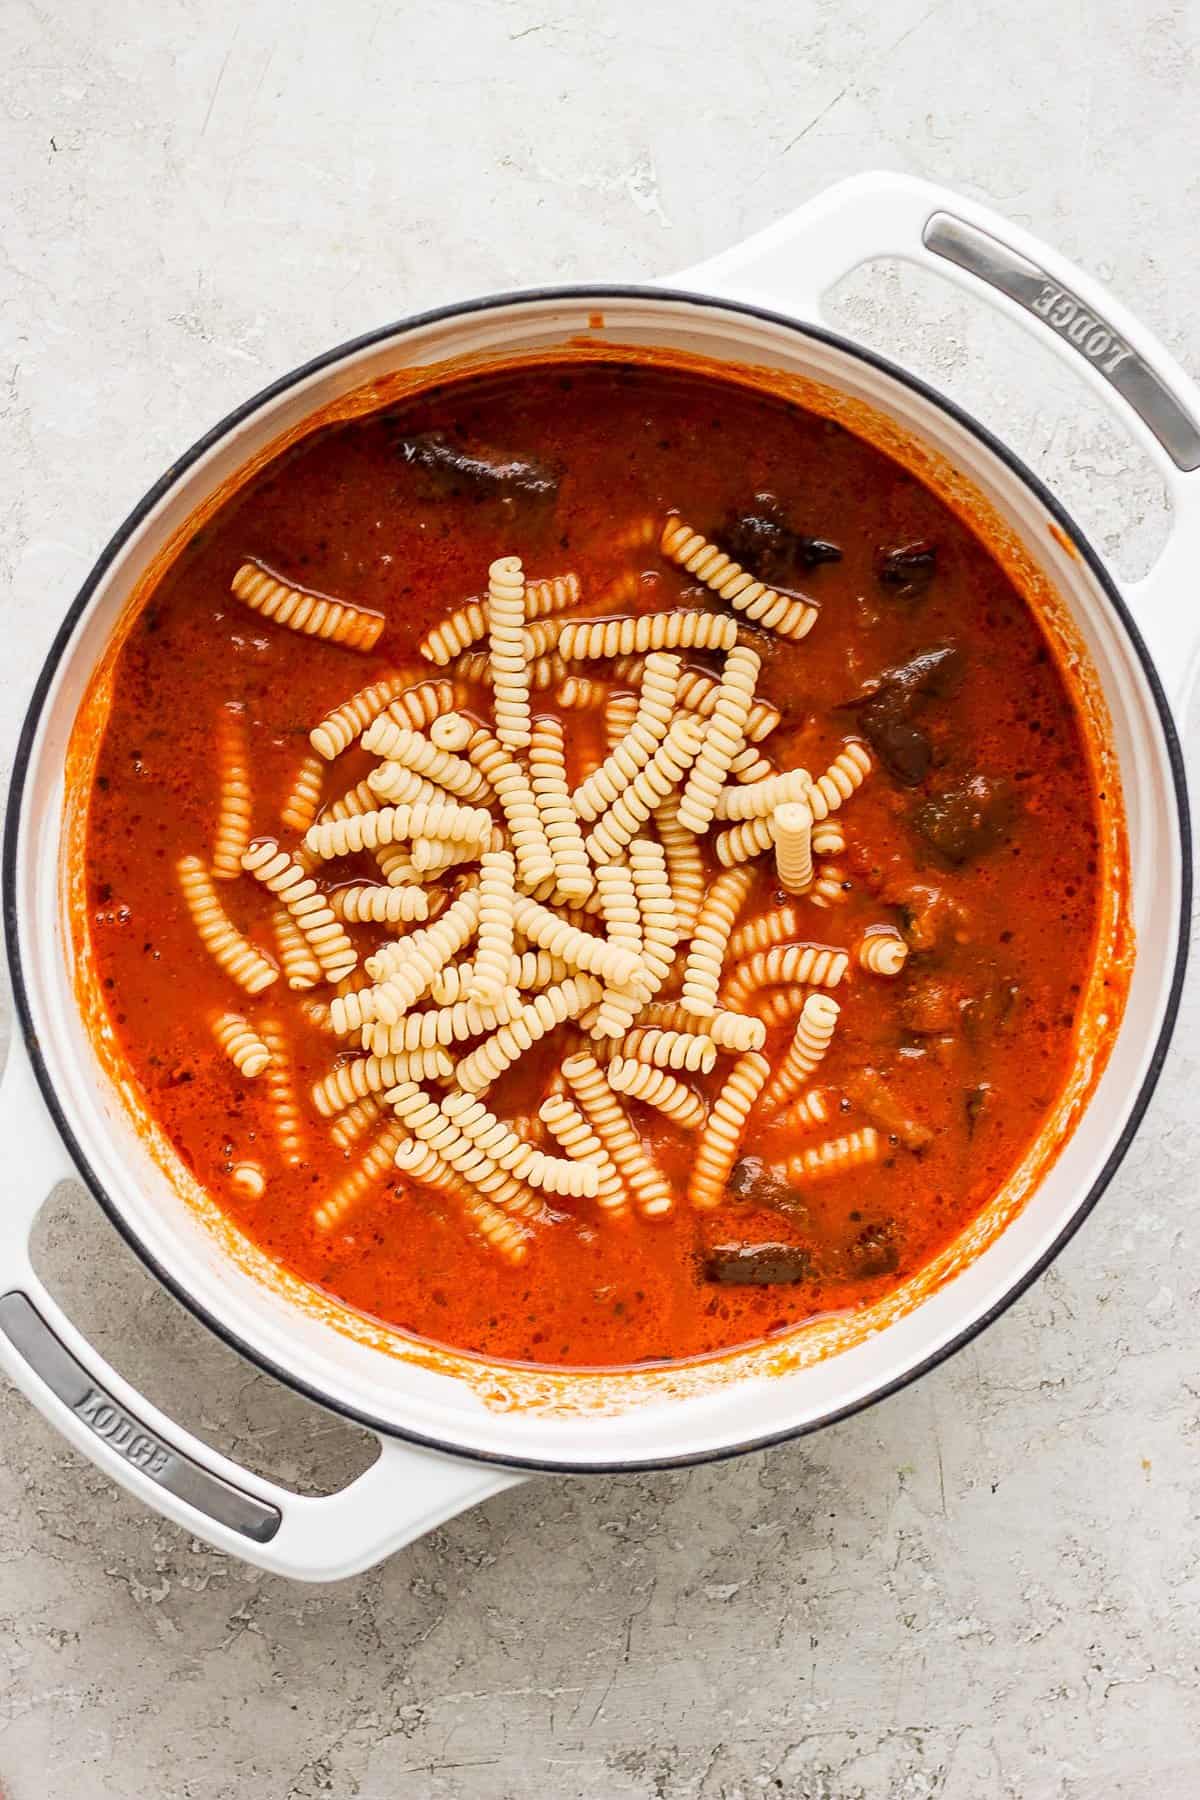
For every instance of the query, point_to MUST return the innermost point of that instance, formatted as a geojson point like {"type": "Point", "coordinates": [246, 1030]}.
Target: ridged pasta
{"type": "Point", "coordinates": [577, 1138]}
{"type": "Point", "coordinates": [513, 790]}
{"type": "Point", "coordinates": [560, 822]}
{"type": "Point", "coordinates": [791, 825]}
{"type": "Point", "coordinates": [281, 1090]}
{"type": "Point", "coordinates": [296, 955]}
{"type": "Point", "coordinates": [882, 952]}
{"type": "Point", "coordinates": [313, 615]}
{"type": "Point", "coordinates": [239, 958]}
{"type": "Point", "coordinates": [722, 740]}
{"type": "Point", "coordinates": [641, 1081]}
{"type": "Point", "coordinates": [582, 639]}
{"type": "Point", "coordinates": [357, 1119]}
{"type": "Point", "coordinates": [339, 728]}
{"type": "Point", "coordinates": [578, 693]}
{"type": "Point", "coordinates": [361, 798]}
{"type": "Point", "coordinates": [685, 865]}
{"type": "Point", "coordinates": [789, 617]}
{"type": "Point", "coordinates": [451, 731]}
{"type": "Point", "coordinates": [419, 705]}
{"type": "Point", "coordinates": [241, 1044]}
{"type": "Point", "coordinates": [813, 1036]}
{"type": "Point", "coordinates": [401, 744]}
{"type": "Point", "coordinates": [620, 710]}
{"type": "Point", "coordinates": [781, 1006]}
{"type": "Point", "coordinates": [698, 693]}
{"type": "Point", "coordinates": [493, 954]}
{"type": "Point", "coordinates": [828, 838]}
{"type": "Point", "coordinates": [615, 964]}
{"type": "Point", "coordinates": [816, 965]}
{"type": "Point", "coordinates": [370, 1171]}
{"type": "Point", "coordinates": [304, 801]}
{"type": "Point", "coordinates": [380, 905]}
{"type": "Point", "coordinates": [249, 1178]}
{"type": "Point", "coordinates": [744, 841]}
{"type": "Point", "coordinates": [505, 1235]}
{"type": "Point", "coordinates": [706, 954]}
{"type": "Point", "coordinates": [750, 766]}
{"type": "Point", "coordinates": [845, 774]}
{"type": "Point", "coordinates": [427, 1122]}
{"type": "Point", "coordinates": [687, 1050]}
{"type": "Point", "coordinates": [837, 1156]}
{"type": "Point", "coordinates": [552, 1007]}
{"type": "Point", "coordinates": [829, 886]}
{"type": "Point", "coordinates": [234, 809]}
{"type": "Point", "coordinates": [648, 790]}
{"type": "Point", "coordinates": [445, 1025]}
{"type": "Point", "coordinates": [604, 1113]}
{"type": "Point", "coordinates": [393, 784]}
{"type": "Point", "coordinates": [652, 719]}
{"type": "Point", "coordinates": [760, 798]}
{"type": "Point", "coordinates": [351, 1081]}
{"type": "Point", "coordinates": [404, 970]}
{"type": "Point", "coordinates": [367, 831]}
{"type": "Point", "coordinates": [728, 1030]}
{"type": "Point", "coordinates": [468, 625]}
{"type": "Point", "coordinates": [810, 1109]}
{"type": "Point", "coordinates": [623, 922]}
{"type": "Point", "coordinates": [507, 651]}
{"type": "Point", "coordinates": [308, 907]}
{"type": "Point", "coordinates": [660, 929]}
{"type": "Point", "coordinates": [721, 1138]}
{"type": "Point", "coordinates": [774, 927]}
{"type": "Point", "coordinates": [577, 1179]}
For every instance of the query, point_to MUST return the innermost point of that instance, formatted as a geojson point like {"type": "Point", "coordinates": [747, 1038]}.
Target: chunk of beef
{"type": "Point", "coordinates": [929, 917]}
{"type": "Point", "coordinates": [874, 1251]}
{"type": "Point", "coordinates": [985, 1013]}
{"type": "Point", "coordinates": [453, 472]}
{"type": "Point", "coordinates": [763, 542]}
{"type": "Point", "coordinates": [885, 714]}
{"type": "Point", "coordinates": [760, 1183]}
{"type": "Point", "coordinates": [757, 1265]}
{"type": "Point", "coordinates": [966, 820]}
{"type": "Point", "coordinates": [907, 569]}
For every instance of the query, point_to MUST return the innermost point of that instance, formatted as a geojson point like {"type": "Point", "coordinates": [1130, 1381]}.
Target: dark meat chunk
{"type": "Point", "coordinates": [907, 569]}
{"type": "Point", "coordinates": [763, 542]}
{"type": "Point", "coordinates": [902, 748]}
{"type": "Point", "coordinates": [968, 819]}
{"type": "Point", "coordinates": [455, 473]}
{"type": "Point", "coordinates": [756, 1265]}
{"type": "Point", "coordinates": [929, 918]}
{"type": "Point", "coordinates": [930, 1008]}
{"type": "Point", "coordinates": [929, 675]}
{"type": "Point", "coordinates": [985, 1013]}
{"type": "Point", "coordinates": [874, 1251]}
{"type": "Point", "coordinates": [761, 1183]}
{"type": "Point", "coordinates": [885, 714]}
{"type": "Point", "coordinates": [871, 1095]}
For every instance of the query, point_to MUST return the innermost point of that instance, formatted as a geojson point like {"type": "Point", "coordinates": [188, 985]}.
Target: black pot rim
{"type": "Point", "coordinates": [462, 309]}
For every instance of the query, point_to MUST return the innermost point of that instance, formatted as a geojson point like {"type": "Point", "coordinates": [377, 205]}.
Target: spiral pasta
{"type": "Point", "coordinates": [494, 952]}
{"type": "Point", "coordinates": [648, 789]}
{"type": "Point", "coordinates": [576, 1179]}
{"type": "Point", "coordinates": [372, 1168]}
{"type": "Point", "coordinates": [579, 694]}
{"type": "Point", "coordinates": [774, 927]}
{"type": "Point", "coordinates": [308, 907]}
{"type": "Point", "coordinates": [351, 1081]}
{"type": "Point", "coordinates": [698, 693]}
{"type": "Point", "coordinates": [744, 841]}
{"type": "Point", "coordinates": [357, 1119]}
{"type": "Point", "coordinates": [660, 929]}
{"type": "Point", "coordinates": [380, 905]}
{"type": "Point", "coordinates": [300, 966]}
{"type": "Point", "coordinates": [395, 785]}
{"type": "Point", "coordinates": [553, 1006]}
{"type": "Point", "coordinates": [623, 921]}
{"type": "Point", "coordinates": [728, 1030]}
{"type": "Point", "coordinates": [507, 651]}
{"type": "Point", "coordinates": [582, 639]}
{"type": "Point", "coordinates": [810, 1109]}
{"type": "Point", "coordinates": [400, 743]}
{"type": "Point", "coordinates": [722, 740]}
{"type": "Point", "coordinates": [837, 1156]}
{"type": "Point", "coordinates": [303, 802]}
{"type": "Point", "coordinates": [615, 964]}
{"type": "Point", "coordinates": [828, 838]}
{"type": "Point", "coordinates": [882, 951]}
{"type": "Point", "coordinates": [230, 950]}
{"type": "Point", "coordinates": [285, 1113]}
{"type": "Point", "coordinates": [750, 765]}
{"type": "Point", "coordinates": [760, 798]}
{"type": "Point", "coordinates": [816, 965]}
{"type": "Point", "coordinates": [234, 811]}
{"type": "Point", "coordinates": [469, 624]}
{"type": "Point", "coordinates": [685, 865]}
{"type": "Point", "coordinates": [339, 728]}
{"type": "Point", "coordinates": [531, 969]}
{"type": "Point", "coordinates": [791, 825]}
{"type": "Point", "coordinates": [512, 788]}
{"type": "Point", "coordinates": [249, 1178]}
{"type": "Point", "coordinates": [403, 971]}
{"type": "Point", "coordinates": [560, 822]}
{"type": "Point", "coordinates": [314, 615]}
{"type": "Point", "coordinates": [451, 731]}
{"type": "Point", "coordinates": [790, 618]}
{"type": "Point", "coordinates": [652, 718]}
{"type": "Point", "coordinates": [845, 774]}
{"type": "Point", "coordinates": [781, 1006]}
{"type": "Point", "coordinates": [706, 955]}
{"type": "Point", "coordinates": [367, 831]}
{"type": "Point", "coordinates": [829, 888]}
{"type": "Point", "coordinates": [814, 1034]}
{"type": "Point", "coordinates": [571, 1129]}
{"type": "Point", "coordinates": [419, 705]}
{"type": "Point", "coordinates": [604, 1113]}
{"type": "Point", "coordinates": [447, 1025]}
{"type": "Point", "coordinates": [241, 1044]}
{"type": "Point", "coordinates": [499, 1232]}
{"type": "Point", "coordinates": [687, 1050]}
{"type": "Point", "coordinates": [640, 1081]}
{"type": "Point", "coordinates": [722, 1135]}
{"type": "Point", "coordinates": [427, 1122]}
{"type": "Point", "coordinates": [620, 710]}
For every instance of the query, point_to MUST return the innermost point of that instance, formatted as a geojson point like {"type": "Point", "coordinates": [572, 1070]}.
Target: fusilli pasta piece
{"type": "Point", "coordinates": [652, 718]}
{"type": "Point", "coordinates": [722, 1135]}
{"type": "Point", "coordinates": [845, 774]}
{"type": "Point", "coordinates": [816, 965]}
{"type": "Point", "coordinates": [230, 950]}
{"type": "Point", "coordinates": [781, 1005]}
{"type": "Point", "coordinates": [451, 731]}
{"type": "Point", "coordinates": [427, 1122]}
{"type": "Point", "coordinates": [367, 831]}
{"type": "Point", "coordinates": [660, 929]}
{"type": "Point", "coordinates": [339, 728]}
{"type": "Point", "coordinates": [309, 908]}
{"type": "Point", "coordinates": [578, 1139]}
{"type": "Point", "coordinates": [615, 964]}
{"type": "Point", "coordinates": [830, 886]}
{"type": "Point", "coordinates": [314, 615]}
{"type": "Point", "coordinates": [469, 624]}
{"type": "Point", "coordinates": [687, 1050]}
{"type": "Point", "coordinates": [789, 617]}
{"type": "Point", "coordinates": [404, 970]}
{"type": "Point", "coordinates": [303, 803]}
{"type": "Point", "coordinates": [285, 1113]}
{"type": "Point", "coordinates": [837, 1156]}
{"type": "Point", "coordinates": [882, 951]}
{"type": "Point", "coordinates": [685, 865]}
{"type": "Point", "coordinates": [300, 966]}
{"type": "Point", "coordinates": [722, 740]}
{"type": "Point", "coordinates": [774, 927]}
{"type": "Point", "coordinates": [814, 1034]}
{"type": "Point", "coordinates": [400, 743]}
{"type": "Point", "coordinates": [447, 1025]}
{"type": "Point", "coordinates": [350, 1125]}
{"type": "Point", "coordinates": [419, 705]}
{"type": "Point", "coordinates": [750, 765]}
{"type": "Point", "coordinates": [744, 841]}
{"type": "Point", "coordinates": [791, 826]}
{"type": "Point", "coordinates": [810, 1109]}
{"type": "Point", "coordinates": [728, 1030]}
{"type": "Point", "coordinates": [706, 955]}
{"type": "Point", "coordinates": [574, 1179]}
{"type": "Point", "coordinates": [760, 798]}
{"type": "Point", "coordinates": [249, 1178]}
{"type": "Point", "coordinates": [370, 1171]}
{"type": "Point", "coordinates": [560, 823]}
{"type": "Point", "coordinates": [828, 838]}
{"type": "Point", "coordinates": [233, 816]}
{"type": "Point", "coordinates": [396, 785]}
{"type": "Point", "coordinates": [498, 873]}
{"type": "Point", "coordinates": [553, 1006]}
{"type": "Point", "coordinates": [579, 694]}
{"type": "Point", "coordinates": [641, 1081]}
{"type": "Point", "coordinates": [512, 788]}
{"type": "Point", "coordinates": [380, 905]}
{"type": "Point", "coordinates": [352, 1081]}
{"type": "Point", "coordinates": [598, 638]}
{"type": "Point", "coordinates": [507, 1236]}
{"type": "Point", "coordinates": [507, 651]}
{"type": "Point", "coordinates": [648, 789]}
{"type": "Point", "coordinates": [623, 921]}
{"type": "Point", "coordinates": [241, 1044]}
{"type": "Point", "coordinates": [698, 693]}
{"type": "Point", "coordinates": [604, 1113]}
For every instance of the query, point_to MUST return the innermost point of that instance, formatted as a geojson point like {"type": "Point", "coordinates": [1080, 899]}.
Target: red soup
{"type": "Point", "coordinates": [588, 993]}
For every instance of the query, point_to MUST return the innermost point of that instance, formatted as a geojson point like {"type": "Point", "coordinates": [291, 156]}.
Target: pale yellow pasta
{"type": "Point", "coordinates": [446, 1025]}
{"type": "Point", "coordinates": [360, 905]}
{"type": "Point", "coordinates": [357, 1119]}
{"type": "Point", "coordinates": [882, 951]}
{"type": "Point", "coordinates": [837, 1156]}
{"type": "Point", "coordinates": [828, 838]}
{"type": "Point", "coordinates": [791, 826]}
{"type": "Point", "coordinates": [687, 1050]}
{"type": "Point", "coordinates": [300, 966]}
{"type": "Point", "coordinates": [507, 652]}
{"type": "Point", "coordinates": [744, 841]}
{"type": "Point", "coordinates": [400, 743]}
{"type": "Point", "coordinates": [560, 822]}
{"type": "Point", "coordinates": [623, 922]}
{"type": "Point", "coordinates": [782, 1005]}
{"type": "Point", "coordinates": [308, 907]}
{"type": "Point", "coordinates": [531, 969]}
{"type": "Point", "coordinates": [774, 927]}
{"type": "Point", "coordinates": [750, 765]}
{"type": "Point", "coordinates": [760, 798]}
{"type": "Point", "coordinates": [789, 617]}
{"type": "Point", "coordinates": [419, 705]}
{"type": "Point", "coordinates": [505, 1235]}
{"type": "Point", "coordinates": [581, 639]}
{"type": "Point", "coordinates": [285, 1113]}
{"type": "Point", "coordinates": [604, 1113]}
{"type": "Point", "coordinates": [513, 790]}
{"type": "Point", "coordinates": [361, 798]}
{"type": "Point", "coordinates": [394, 862]}
{"type": "Point", "coordinates": [426, 1121]}
{"type": "Point", "coordinates": [367, 831]}
{"type": "Point", "coordinates": [706, 954]}
{"type": "Point", "coordinates": [239, 958]}
{"type": "Point", "coordinates": [721, 1138]}
{"type": "Point", "coordinates": [723, 738]}
{"type": "Point", "coordinates": [339, 728]}
{"type": "Point", "coordinates": [395, 784]}
{"type": "Point", "coordinates": [830, 886]}
{"type": "Point", "coordinates": [314, 615]}
{"type": "Point", "coordinates": [813, 1036]}
{"type": "Point", "coordinates": [579, 694]}
{"type": "Point", "coordinates": [845, 774]}
{"type": "Point", "coordinates": [469, 624]}
{"type": "Point", "coordinates": [452, 731]}
{"type": "Point", "coordinates": [404, 970]}
{"type": "Point", "coordinates": [552, 1007]}
{"type": "Point", "coordinates": [640, 1081]}
{"type": "Point", "coordinates": [369, 1172]}
{"type": "Point", "coordinates": [430, 856]}
{"type": "Point", "coordinates": [648, 789]}
{"type": "Point", "coordinates": [816, 965]}
{"type": "Point", "coordinates": [698, 693]}
{"type": "Point", "coordinates": [241, 1044]}
{"type": "Point", "coordinates": [573, 1179]}
{"type": "Point", "coordinates": [494, 951]}
{"type": "Point", "coordinates": [660, 928]}
{"type": "Point", "coordinates": [577, 1138]}
{"type": "Point", "coordinates": [249, 1178]}
{"type": "Point", "coordinates": [620, 710]}
{"type": "Point", "coordinates": [615, 964]}
{"type": "Point", "coordinates": [685, 865]}
{"type": "Point", "coordinates": [652, 718]}
{"type": "Point", "coordinates": [234, 812]}
{"type": "Point", "coordinates": [728, 1030]}
{"type": "Point", "coordinates": [304, 801]}
{"type": "Point", "coordinates": [351, 1081]}
{"type": "Point", "coordinates": [810, 1109]}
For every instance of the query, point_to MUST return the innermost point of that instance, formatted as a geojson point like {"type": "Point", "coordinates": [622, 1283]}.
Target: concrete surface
{"type": "Point", "coordinates": [987, 1586]}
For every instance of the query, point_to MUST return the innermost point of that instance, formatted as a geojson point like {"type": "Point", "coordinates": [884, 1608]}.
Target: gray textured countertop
{"type": "Point", "coordinates": [988, 1585]}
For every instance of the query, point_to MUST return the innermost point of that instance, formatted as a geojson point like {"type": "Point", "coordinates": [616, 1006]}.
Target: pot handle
{"type": "Point", "coordinates": [792, 264]}
{"type": "Point", "coordinates": [405, 1492]}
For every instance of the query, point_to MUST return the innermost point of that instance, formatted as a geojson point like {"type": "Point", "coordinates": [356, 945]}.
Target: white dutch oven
{"type": "Point", "coordinates": [448, 1432]}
